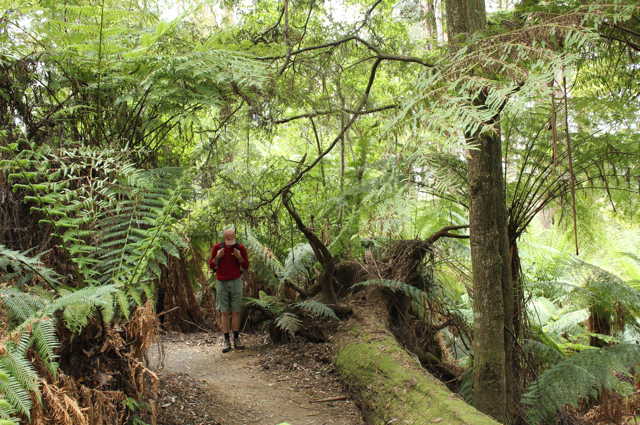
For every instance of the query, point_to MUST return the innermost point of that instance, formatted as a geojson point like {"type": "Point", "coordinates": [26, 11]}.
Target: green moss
{"type": "Point", "coordinates": [392, 385]}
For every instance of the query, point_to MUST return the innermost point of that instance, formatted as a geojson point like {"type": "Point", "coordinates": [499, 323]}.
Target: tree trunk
{"type": "Point", "coordinates": [600, 323]}
{"type": "Point", "coordinates": [491, 264]}
{"type": "Point", "coordinates": [388, 382]}
{"type": "Point", "coordinates": [327, 277]}
{"type": "Point", "coordinates": [431, 24]}
{"type": "Point", "coordinates": [175, 289]}
{"type": "Point", "coordinates": [493, 306]}
{"type": "Point", "coordinates": [464, 17]}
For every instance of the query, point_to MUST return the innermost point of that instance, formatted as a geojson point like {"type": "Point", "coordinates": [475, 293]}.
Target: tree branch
{"type": "Point", "coordinates": [445, 232]}
{"type": "Point", "coordinates": [301, 173]}
{"type": "Point", "coordinates": [379, 54]}
{"type": "Point", "coordinates": [334, 111]}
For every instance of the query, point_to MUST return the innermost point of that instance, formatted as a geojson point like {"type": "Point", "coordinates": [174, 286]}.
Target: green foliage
{"type": "Point", "coordinates": [98, 92]}
{"type": "Point", "coordinates": [33, 324]}
{"type": "Point", "coordinates": [288, 322]}
{"type": "Point", "coordinates": [264, 261]}
{"type": "Point", "coordinates": [268, 303]}
{"type": "Point", "coordinates": [417, 295]}
{"type": "Point", "coordinates": [581, 376]}
{"type": "Point", "coordinates": [283, 315]}
{"type": "Point", "coordinates": [118, 228]}
{"type": "Point", "coordinates": [22, 268]}
{"type": "Point", "coordinates": [601, 290]}
{"type": "Point", "coordinates": [299, 263]}
{"type": "Point", "coordinates": [317, 309]}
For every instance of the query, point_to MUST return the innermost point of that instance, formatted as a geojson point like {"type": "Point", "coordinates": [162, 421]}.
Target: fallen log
{"type": "Point", "coordinates": [387, 382]}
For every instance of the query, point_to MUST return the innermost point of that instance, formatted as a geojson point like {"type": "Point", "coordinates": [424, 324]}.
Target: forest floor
{"type": "Point", "coordinates": [265, 384]}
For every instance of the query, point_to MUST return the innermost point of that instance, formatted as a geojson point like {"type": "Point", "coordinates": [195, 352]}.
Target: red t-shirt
{"type": "Point", "coordinates": [228, 267]}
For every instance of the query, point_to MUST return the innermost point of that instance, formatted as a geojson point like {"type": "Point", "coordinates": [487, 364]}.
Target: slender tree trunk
{"type": "Point", "coordinates": [493, 304]}
{"type": "Point", "coordinates": [431, 24]}
{"type": "Point", "coordinates": [323, 255]}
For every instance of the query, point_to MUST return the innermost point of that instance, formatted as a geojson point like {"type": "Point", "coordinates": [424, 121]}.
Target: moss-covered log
{"type": "Point", "coordinates": [389, 383]}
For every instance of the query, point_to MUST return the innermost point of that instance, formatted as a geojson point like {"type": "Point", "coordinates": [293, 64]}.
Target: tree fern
{"type": "Point", "coordinates": [583, 375]}
{"type": "Point", "coordinates": [118, 229]}
{"type": "Point", "coordinates": [32, 324]}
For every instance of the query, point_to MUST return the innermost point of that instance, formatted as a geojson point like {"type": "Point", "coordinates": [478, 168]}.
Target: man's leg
{"type": "Point", "coordinates": [235, 321]}
{"type": "Point", "coordinates": [225, 322]}
{"type": "Point", "coordinates": [236, 305]}
{"type": "Point", "coordinates": [224, 307]}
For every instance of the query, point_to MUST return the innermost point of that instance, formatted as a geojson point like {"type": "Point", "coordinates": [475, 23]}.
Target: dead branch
{"type": "Point", "coordinates": [446, 232]}
{"type": "Point", "coordinates": [324, 400]}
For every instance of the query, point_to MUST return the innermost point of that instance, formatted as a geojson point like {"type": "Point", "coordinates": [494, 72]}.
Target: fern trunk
{"type": "Point", "coordinates": [176, 290]}
{"type": "Point", "coordinates": [389, 383]}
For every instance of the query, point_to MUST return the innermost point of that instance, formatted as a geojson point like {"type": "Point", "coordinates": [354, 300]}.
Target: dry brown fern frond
{"type": "Point", "coordinates": [143, 329]}
{"type": "Point", "coordinates": [64, 409]}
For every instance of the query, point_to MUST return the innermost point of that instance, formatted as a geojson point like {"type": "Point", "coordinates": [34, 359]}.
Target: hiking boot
{"type": "Point", "coordinates": [237, 344]}
{"type": "Point", "coordinates": [226, 347]}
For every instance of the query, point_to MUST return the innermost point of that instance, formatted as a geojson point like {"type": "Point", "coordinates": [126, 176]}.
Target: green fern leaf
{"type": "Point", "coordinates": [45, 340]}
{"type": "Point", "coordinates": [414, 293]}
{"type": "Point", "coordinates": [317, 309]}
{"type": "Point", "coordinates": [289, 323]}
{"type": "Point", "coordinates": [21, 370]}
{"type": "Point", "coordinates": [581, 376]}
{"type": "Point", "coordinates": [15, 394]}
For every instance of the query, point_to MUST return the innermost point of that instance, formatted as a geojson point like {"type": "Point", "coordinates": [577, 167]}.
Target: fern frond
{"type": "Point", "coordinates": [45, 340]}
{"type": "Point", "coordinates": [6, 413]}
{"type": "Point", "coordinates": [21, 262]}
{"type": "Point", "coordinates": [21, 369]}
{"type": "Point", "coordinates": [317, 309]}
{"type": "Point", "coordinates": [267, 265]}
{"type": "Point", "coordinates": [412, 292]}
{"type": "Point", "coordinates": [123, 303]}
{"type": "Point", "coordinates": [581, 376]}
{"type": "Point", "coordinates": [544, 353]}
{"type": "Point", "coordinates": [14, 393]}
{"type": "Point", "coordinates": [267, 303]}
{"type": "Point", "coordinates": [568, 322]}
{"type": "Point", "coordinates": [6, 410]}
{"type": "Point", "coordinates": [299, 263]}
{"type": "Point", "coordinates": [95, 296]}
{"type": "Point", "coordinates": [288, 322]}
{"type": "Point", "coordinates": [17, 304]}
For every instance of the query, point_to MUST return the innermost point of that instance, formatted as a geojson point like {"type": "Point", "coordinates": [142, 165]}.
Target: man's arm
{"type": "Point", "coordinates": [244, 264]}
{"type": "Point", "coordinates": [213, 259]}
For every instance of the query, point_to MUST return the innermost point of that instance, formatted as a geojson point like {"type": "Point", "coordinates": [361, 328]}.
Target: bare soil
{"type": "Point", "coordinates": [265, 384]}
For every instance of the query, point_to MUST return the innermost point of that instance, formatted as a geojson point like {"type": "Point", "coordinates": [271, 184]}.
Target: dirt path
{"type": "Point", "coordinates": [262, 385]}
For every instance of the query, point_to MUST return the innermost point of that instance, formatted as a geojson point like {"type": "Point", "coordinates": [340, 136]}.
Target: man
{"type": "Point", "coordinates": [229, 259]}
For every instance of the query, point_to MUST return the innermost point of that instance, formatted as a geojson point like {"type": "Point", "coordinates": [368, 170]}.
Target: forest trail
{"type": "Point", "coordinates": [240, 388]}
